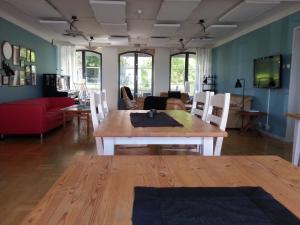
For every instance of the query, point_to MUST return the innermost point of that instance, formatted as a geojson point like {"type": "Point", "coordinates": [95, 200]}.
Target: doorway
{"type": "Point", "coordinates": [136, 72]}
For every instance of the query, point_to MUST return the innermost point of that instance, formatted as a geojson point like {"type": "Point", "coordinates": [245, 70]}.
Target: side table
{"type": "Point", "coordinates": [251, 117]}
{"type": "Point", "coordinates": [77, 111]}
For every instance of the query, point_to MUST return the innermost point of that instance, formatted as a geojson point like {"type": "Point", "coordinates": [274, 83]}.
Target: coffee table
{"type": "Point", "coordinates": [99, 190]}
{"type": "Point", "coordinates": [79, 112]}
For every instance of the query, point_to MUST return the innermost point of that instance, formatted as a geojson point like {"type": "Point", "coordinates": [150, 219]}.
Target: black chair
{"type": "Point", "coordinates": [174, 94]}
{"type": "Point", "coordinates": [155, 102]}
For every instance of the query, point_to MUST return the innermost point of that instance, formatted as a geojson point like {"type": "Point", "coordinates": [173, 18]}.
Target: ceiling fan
{"type": "Point", "coordinates": [73, 31]}
{"type": "Point", "coordinates": [204, 35]}
{"type": "Point", "coordinates": [90, 47]}
{"type": "Point", "coordinates": [182, 47]}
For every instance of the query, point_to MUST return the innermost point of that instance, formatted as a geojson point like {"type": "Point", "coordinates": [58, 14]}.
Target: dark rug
{"type": "Point", "coordinates": [160, 119]}
{"type": "Point", "coordinates": [208, 206]}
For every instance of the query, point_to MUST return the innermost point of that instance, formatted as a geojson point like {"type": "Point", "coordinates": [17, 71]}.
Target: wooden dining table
{"type": "Point", "coordinates": [99, 190]}
{"type": "Point", "coordinates": [116, 129]}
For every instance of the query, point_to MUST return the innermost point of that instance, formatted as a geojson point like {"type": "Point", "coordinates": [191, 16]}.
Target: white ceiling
{"type": "Point", "coordinates": [138, 21]}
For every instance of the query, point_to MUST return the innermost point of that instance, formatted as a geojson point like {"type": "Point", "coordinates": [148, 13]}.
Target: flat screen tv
{"type": "Point", "coordinates": [267, 72]}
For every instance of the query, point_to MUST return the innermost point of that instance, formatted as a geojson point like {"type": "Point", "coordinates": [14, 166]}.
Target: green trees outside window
{"type": "Point", "coordinates": [89, 65]}
{"type": "Point", "coordinates": [136, 72]}
{"type": "Point", "coordinates": [183, 70]}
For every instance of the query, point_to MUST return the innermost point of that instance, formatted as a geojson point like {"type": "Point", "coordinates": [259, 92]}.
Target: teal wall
{"type": "Point", "coordinates": [235, 60]}
{"type": "Point", "coordinates": [45, 60]}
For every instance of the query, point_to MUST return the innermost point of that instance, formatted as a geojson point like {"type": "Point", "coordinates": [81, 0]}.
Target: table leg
{"type": "Point", "coordinates": [208, 146]}
{"type": "Point", "coordinates": [64, 119]}
{"type": "Point", "coordinates": [109, 146]}
{"type": "Point", "coordinates": [78, 121]}
{"type": "Point", "coordinates": [99, 145]}
{"type": "Point", "coordinates": [87, 123]}
{"type": "Point", "coordinates": [296, 144]}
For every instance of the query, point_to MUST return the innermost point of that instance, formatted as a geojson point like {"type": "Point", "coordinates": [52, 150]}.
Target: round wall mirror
{"type": "Point", "coordinates": [7, 50]}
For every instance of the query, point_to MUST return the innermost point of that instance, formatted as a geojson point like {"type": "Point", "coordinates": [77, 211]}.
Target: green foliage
{"type": "Point", "coordinates": [92, 60]}
{"type": "Point", "coordinates": [177, 70]}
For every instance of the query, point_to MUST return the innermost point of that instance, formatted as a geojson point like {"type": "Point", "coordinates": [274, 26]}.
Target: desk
{"type": "Point", "coordinates": [251, 117]}
{"type": "Point", "coordinates": [98, 190]}
{"type": "Point", "coordinates": [116, 129]}
{"type": "Point", "coordinates": [77, 111]}
{"type": "Point", "coordinates": [296, 141]}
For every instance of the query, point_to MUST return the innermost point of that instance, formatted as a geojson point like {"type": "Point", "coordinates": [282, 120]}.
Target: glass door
{"type": "Point", "coordinates": [136, 72]}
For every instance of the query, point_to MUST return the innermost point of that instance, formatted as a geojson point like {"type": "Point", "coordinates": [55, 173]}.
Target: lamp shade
{"type": "Point", "coordinates": [238, 83]}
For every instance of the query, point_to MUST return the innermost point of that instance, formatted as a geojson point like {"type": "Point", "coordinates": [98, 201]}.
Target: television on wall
{"type": "Point", "coordinates": [267, 72]}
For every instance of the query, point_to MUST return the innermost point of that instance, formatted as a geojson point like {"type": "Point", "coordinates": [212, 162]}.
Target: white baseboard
{"type": "Point", "coordinates": [284, 139]}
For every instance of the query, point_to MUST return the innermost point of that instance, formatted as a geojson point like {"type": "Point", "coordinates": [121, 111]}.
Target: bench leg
{"type": "Point", "coordinates": [41, 138]}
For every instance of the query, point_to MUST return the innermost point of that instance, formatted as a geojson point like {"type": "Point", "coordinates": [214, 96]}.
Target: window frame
{"type": "Point", "coordinates": [135, 69]}
{"type": "Point", "coordinates": [186, 66]}
{"type": "Point", "coordinates": [83, 51]}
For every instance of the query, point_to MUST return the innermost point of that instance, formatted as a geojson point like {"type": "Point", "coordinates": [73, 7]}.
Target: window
{"type": "Point", "coordinates": [183, 72]}
{"type": "Point", "coordinates": [88, 66]}
{"type": "Point", "coordinates": [136, 72]}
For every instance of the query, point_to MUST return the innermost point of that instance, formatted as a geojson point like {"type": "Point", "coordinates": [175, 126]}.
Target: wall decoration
{"type": "Point", "coordinates": [23, 52]}
{"type": "Point", "coordinates": [33, 69]}
{"type": "Point", "coordinates": [28, 79]}
{"type": "Point", "coordinates": [6, 50]}
{"type": "Point", "coordinates": [28, 55]}
{"type": "Point", "coordinates": [22, 63]}
{"type": "Point", "coordinates": [5, 80]}
{"type": "Point", "coordinates": [14, 80]}
{"type": "Point", "coordinates": [0, 64]}
{"type": "Point", "coordinates": [16, 55]}
{"type": "Point", "coordinates": [27, 69]}
{"type": "Point", "coordinates": [33, 79]}
{"type": "Point", "coordinates": [22, 77]}
{"type": "Point", "coordinates": [8, 71]}
{"type": "Point", "coordinates": [32, 56]}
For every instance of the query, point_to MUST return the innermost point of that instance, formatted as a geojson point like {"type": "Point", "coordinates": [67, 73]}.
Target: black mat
{"type": "Point", "coordinates": [208, 206]}
{"type": "Point", "coordinates": [160, 119]}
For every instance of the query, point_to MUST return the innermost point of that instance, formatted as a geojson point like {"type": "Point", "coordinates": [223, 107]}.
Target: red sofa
{"type": "Point", "coordinates": [33, 116]}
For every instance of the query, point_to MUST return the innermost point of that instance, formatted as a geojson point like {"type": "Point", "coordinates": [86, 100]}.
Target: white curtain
{"type": "Point", "coordinates": [66, 62]}
{"type": "Point", "coordinates": [203, 68]}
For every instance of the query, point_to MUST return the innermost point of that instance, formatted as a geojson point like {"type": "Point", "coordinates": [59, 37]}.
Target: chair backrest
{"type": "Point", "coordinates": [126, 93]}
{"type": "Point", "coordinates": [200, 104]}
{"type": "Point", "coordinates": [218, 110]}
{"type": "Point", "coordinates": [96, 109]}
{"type": "Point", "coordinates": [104, 102]}
{"type": "Point", "coordinates": [126, 99]}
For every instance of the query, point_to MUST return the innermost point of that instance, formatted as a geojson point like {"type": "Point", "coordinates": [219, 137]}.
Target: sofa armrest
{"type": "Point", "coordinates": [61, 102]}
{"type": "Point", "coordinates": [21, 118]}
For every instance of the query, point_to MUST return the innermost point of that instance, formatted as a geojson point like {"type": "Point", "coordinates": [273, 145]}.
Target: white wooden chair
{"type": "Point", "coordinates": [218, 110]}
{"type": "Point", "coordinates": [104, 102]}
{"type": "Point", "coordinates": [200, 104]}
{"type": "Point", "coordinates": [97, 117]}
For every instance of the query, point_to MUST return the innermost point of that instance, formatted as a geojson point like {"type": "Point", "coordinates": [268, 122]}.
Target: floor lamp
{"type": "Point", "coordinates": [238, 84]}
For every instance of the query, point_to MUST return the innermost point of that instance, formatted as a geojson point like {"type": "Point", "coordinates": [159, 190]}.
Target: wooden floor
{"type": "Point", "coordinates": [28, 169]}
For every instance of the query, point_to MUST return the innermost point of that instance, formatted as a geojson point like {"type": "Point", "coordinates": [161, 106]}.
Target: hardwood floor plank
{"type": "Point", "coordinates": [28, 169]}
